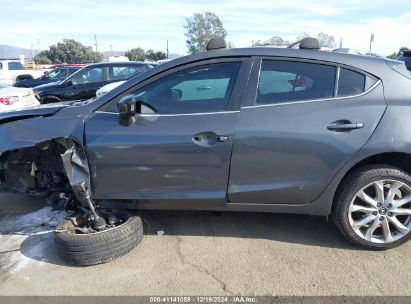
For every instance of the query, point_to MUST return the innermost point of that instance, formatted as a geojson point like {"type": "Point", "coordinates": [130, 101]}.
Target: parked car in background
{"type": "Point", "coordinates": [16, 98]}
{"type": "Point", "coordinates": [11, 71]}
{"type": "Point", "coordinates": [58, 73]}
{"type": "Point", "coordinates": [84, 83]}
{"type": "Point", "coordinates": [108, 87]}
{"type": "Point", "coordinates": [406, 57]}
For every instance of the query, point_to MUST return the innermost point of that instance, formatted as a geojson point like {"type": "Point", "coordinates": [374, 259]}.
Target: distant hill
{"type": "Point", "coordinates": [7, 51]}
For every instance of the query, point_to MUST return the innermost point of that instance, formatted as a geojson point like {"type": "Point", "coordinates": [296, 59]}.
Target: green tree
{"type": "Point", "coordinates": [395, 55]}
{"type": "Point", "coordinates": [69, 51]}
{"type": "Point", "coordinates": [200, 29]}
{"type": "Point", "coordinates": [41, 58]}
{"type": "Point", "coordinates": [136, 54]}
{"type": "Point", "coordinates": [326, 40]}
{"type": "Point", "coordinates": [155, 56]}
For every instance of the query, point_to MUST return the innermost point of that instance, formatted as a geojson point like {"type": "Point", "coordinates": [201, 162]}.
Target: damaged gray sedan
{"type": "Point", "coordinates": [258, 129]}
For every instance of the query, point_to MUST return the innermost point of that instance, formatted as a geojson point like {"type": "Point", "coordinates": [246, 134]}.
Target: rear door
{"type": "Point", "coordinates": [301, 122]}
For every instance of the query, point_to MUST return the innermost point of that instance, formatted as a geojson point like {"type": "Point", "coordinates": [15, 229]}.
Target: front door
{"type": "Point", "coordinates": [179, 148]}
{"type": "Point", "coordinates": [85, 84]}
{"type": "Point", "coordinates": [298, 128]}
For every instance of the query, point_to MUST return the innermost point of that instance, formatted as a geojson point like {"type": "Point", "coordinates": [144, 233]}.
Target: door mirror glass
{"type": "Point", "coordinates": [68, 83]}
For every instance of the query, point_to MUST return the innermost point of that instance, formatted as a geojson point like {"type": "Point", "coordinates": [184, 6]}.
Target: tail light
{"type": "Point", "coordinates": [7, 101]}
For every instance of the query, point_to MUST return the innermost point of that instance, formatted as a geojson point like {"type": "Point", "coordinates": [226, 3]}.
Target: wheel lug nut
{"type": "Point", "coordinates": [382, 218]}
{"type": "Point", "coordinates": [379, 205]}
{"type": "Point", "coordinates": [389, 213]}
{"type": "Point", "coordinates": [389, 205]}
{"type": "Point", "coordinates": [375, 213]}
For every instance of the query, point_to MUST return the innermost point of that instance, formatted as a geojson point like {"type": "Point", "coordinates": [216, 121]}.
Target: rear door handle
{"type": "Point", "coordinates": [344, 126]}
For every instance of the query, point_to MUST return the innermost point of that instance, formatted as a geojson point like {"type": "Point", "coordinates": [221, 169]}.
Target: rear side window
{"type": "Point", "coordinates": [283, 81]}
{"type": "Point", "coordinates": [122, 72]}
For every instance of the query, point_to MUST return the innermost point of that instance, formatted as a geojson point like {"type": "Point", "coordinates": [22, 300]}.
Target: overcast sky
{"type": "Point", "coordinates": [126, 24]}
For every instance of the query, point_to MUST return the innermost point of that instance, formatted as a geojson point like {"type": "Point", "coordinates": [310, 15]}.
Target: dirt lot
{"type": "Point", "coordinates": [200, 254]}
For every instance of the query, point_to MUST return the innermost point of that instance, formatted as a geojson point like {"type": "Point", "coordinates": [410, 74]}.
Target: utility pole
{"type": "Point", "coordinates": [341, 40]}
{"type": "Point", "coordinates": [371, 41]}
{"type": "Point", "coordinates": [167, 48]}
{"type": "Point", "coordinates": [96, 44]}
{"type": "Point", "coordinates": [111, 49]}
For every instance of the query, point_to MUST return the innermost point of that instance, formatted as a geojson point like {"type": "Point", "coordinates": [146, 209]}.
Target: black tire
{"type": "Point", "coordinates": [99, 247]}
{"type": "Point", "coordinates": [349, 187]}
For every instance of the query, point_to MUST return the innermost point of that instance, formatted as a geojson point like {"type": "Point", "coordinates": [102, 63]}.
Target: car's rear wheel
{"type": "Point", "coordinates": [79, 247]}
{"type": "Point", "coordinates": [373, 207]}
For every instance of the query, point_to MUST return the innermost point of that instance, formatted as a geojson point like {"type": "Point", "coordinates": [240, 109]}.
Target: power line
{"type": "Point", "coordinates": [96, 44]}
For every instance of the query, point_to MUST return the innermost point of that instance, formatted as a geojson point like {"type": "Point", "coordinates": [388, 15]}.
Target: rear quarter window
{"type": "Point", "coordinates": [350, 83]}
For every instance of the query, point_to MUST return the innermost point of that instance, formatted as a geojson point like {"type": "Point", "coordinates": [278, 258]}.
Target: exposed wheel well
{"type": "Point", "coordinates": [395, 159]}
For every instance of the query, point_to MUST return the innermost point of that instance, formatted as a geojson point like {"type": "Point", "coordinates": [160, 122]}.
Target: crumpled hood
{"type": "Point", "coordinates": [42, 110]}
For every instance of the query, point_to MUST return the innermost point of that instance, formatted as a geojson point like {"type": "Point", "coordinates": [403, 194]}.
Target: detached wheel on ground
{"type": "Point", "coordinates": [373, 207]}
{"type": "Point", "coordinates": [84, 249]}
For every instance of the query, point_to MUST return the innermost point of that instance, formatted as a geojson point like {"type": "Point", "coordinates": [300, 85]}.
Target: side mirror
{"type": "Point", "coordinates": [68, 83]}
{"type": "Point", "coordinates": [128, 107]}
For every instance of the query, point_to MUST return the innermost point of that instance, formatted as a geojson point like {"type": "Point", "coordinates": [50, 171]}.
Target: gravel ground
{"type": "Point", "coordinates": [200, 253]}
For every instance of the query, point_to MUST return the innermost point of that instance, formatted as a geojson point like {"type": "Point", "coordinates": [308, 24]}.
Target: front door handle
{"type": "Point", "coordinates": [344, 126]}
{"type": "Point", "coordinates": [209, 139]}
{"type": "Point", "coordinates": [222, 138]}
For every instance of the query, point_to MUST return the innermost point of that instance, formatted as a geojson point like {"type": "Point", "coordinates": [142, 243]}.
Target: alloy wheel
{"type": "Point", "coordinates": [381, 211]}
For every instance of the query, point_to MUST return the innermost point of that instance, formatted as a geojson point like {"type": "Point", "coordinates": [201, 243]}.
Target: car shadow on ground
{"type": "Point", "coordinates": [297, 229]}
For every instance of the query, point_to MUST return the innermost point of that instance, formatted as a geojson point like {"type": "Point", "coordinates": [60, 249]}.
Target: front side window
{"type": "Point", "coordinates": [88, 76]}
{"type": "Point", "coordinates": [284, 81]}
{"type": "Point", "coordinates": [199, 89]}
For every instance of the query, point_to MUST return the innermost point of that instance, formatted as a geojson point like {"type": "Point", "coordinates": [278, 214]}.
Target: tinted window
{"type": "Point", "coordinates": [350, 83]}
{"type": "Point", "coordinates": [200, 89]}
{"type": "Point", "coordinates": [15, 66]}
{"type": "Point", "coordinates": [88, 76]}
{"type": "Point", "coordinates": [71, 71]}
{"type": "Point", "coordinates": [282, 81]}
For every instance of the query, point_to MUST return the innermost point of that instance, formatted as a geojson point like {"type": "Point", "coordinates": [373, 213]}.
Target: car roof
{"type": "Point", "coordinates": [117, 63]}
